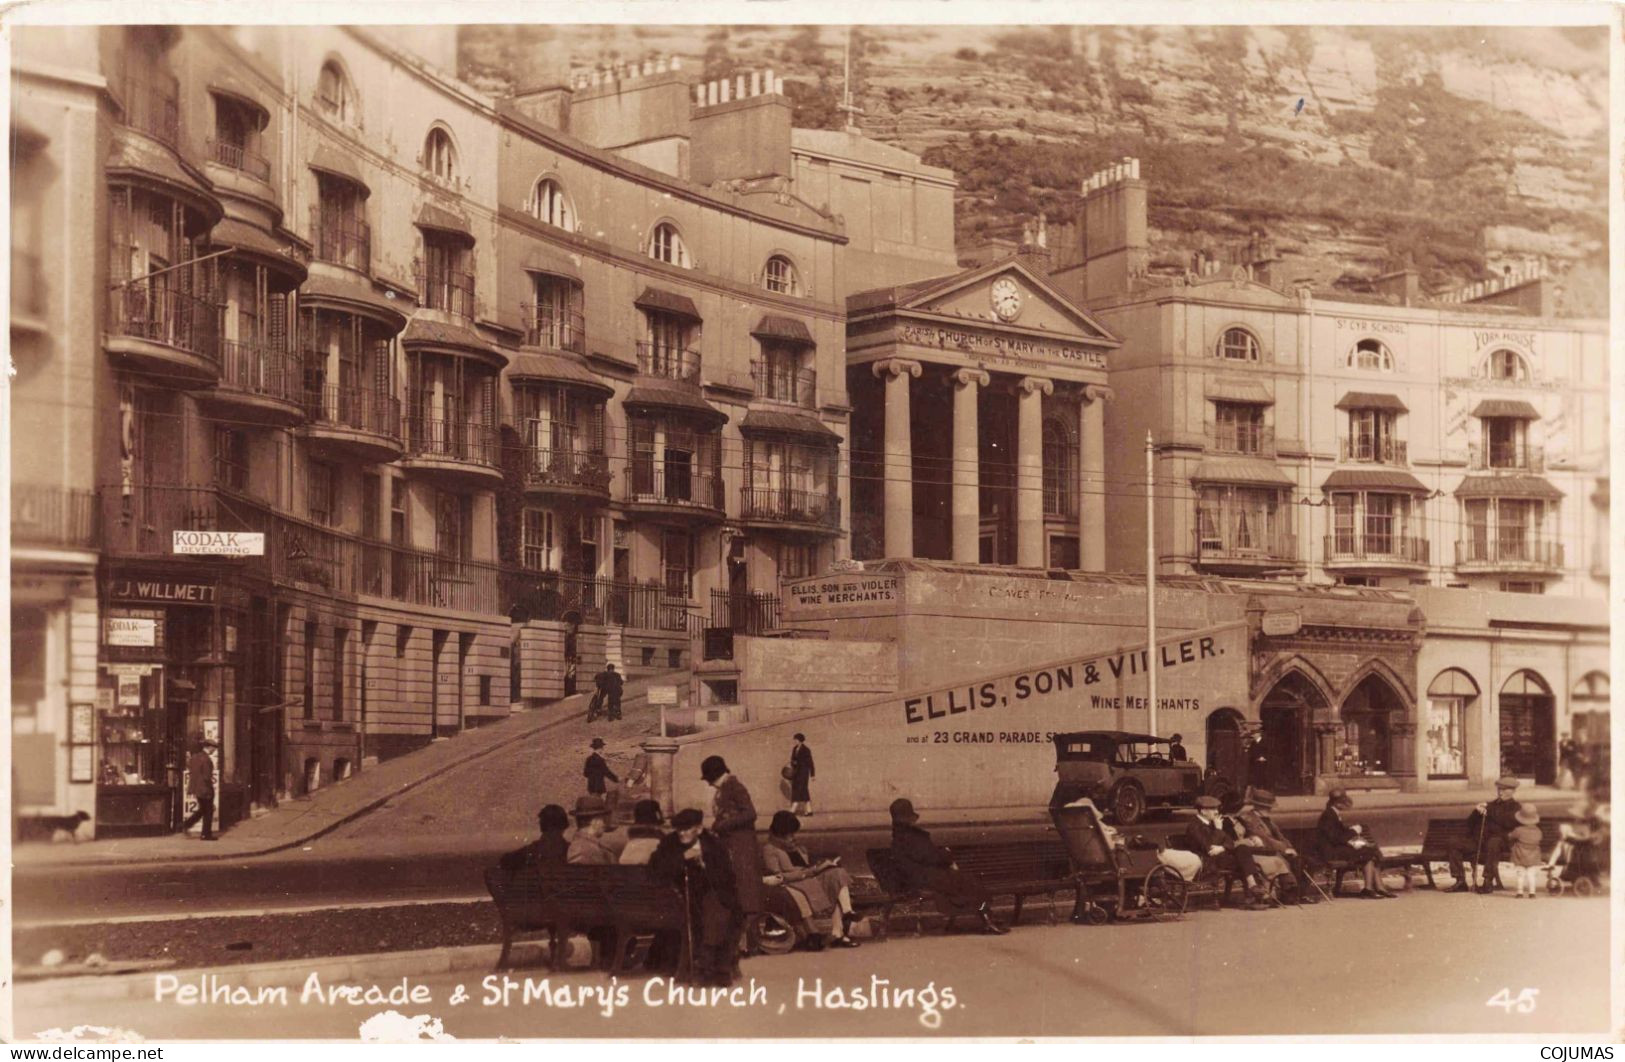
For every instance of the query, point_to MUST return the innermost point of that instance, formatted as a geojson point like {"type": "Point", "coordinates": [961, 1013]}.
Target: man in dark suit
{"type": "Point", "coordinates": [1256, 805]}
{"type": "Point", "coordinates": [1207, 837]}
{"type": "Point", "coordinates": [200, 782]}
{"type": "Point", "coordinates": [1176, 749]}
{"type": "Point", "coordinates": [801, 776]}
{"type": "Point", "coordinates": [697, 859]}
{"type": "Point", "coordinates": [597, 769]}
{"type": "Point", "coordinates": [925, 867]}
{"type": "Point", "coordinates": [610, 684]}
{"type": "Point", "coordinates": [733, 821]}
{"type": "Point", "coordinates": [1492, 822]}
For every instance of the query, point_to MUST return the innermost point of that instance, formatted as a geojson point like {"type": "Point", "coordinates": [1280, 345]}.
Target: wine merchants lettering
{"type": "Point", "coordinates": [1065, 679]}
{"type": "Point", "coordinates": [814, 593]}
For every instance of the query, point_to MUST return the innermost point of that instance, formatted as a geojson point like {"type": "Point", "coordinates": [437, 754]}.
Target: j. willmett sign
{"type": "Point", "coordinates": [162, 590]}
{"type": "Point", "coordinates": [998, 345]}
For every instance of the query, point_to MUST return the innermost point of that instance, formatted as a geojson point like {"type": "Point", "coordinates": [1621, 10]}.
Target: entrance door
{"type": "Point", "coordinates": [1288, 757]}
{"type": "Point", "coordinates": [1225, 755]}
{"type": "Point", "coordinates": [1528, 729]}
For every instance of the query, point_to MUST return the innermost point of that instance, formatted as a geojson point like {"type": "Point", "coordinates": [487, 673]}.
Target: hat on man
{"type": "Point", "coordinates": [902, 810]}
{"type": "Point", "coordinates": [1528, 815]}
{"type": "Point", "coordinates": [590, 806]}
{"type": "Point", "coordinates": [1506, 781]}
{"type": "Point", "coordinates": [647, 813]}
{"type": "Point", "coordinates": [712, 768]}
{"type": "Point", "coordinates": [597, 743]}
{"type": "Point", "coordinates": [1339, 799]}
{"type": "Point", "coordinates": [799, 737]}
{"type": "Point", "coordinates": [687, 819]}
{"type": "Point", "coordinates": [1259, 798]}
{"type": "Point", "coordinates": [552, 819]}
{"type": "Point", "coordinates": [1207, 803]}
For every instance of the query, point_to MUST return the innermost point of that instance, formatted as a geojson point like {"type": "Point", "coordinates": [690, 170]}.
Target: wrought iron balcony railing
{"type": "Point", "coordinates": [152, 105]}
{"type": "Point", "coordinates": [253, 369]}
{"type": "Point", "coordinates": [558, 467]}
{"type": "Point", "coordinates": [453, 440]}
{"type": "Point", "coordinates": [160, 314]}
{"type": "Point", "coordinates": [1509, 553]}
{"type": "Point", "coordinates": [795, 386]}
{"type": "Point", "coordinates": [1253, 440]}
{"type": "Point", "coordinates": [791, 506]}
{"type": "Point", "coordinates": [1236, 544]}
{"type": "Point", "coordinates": [673, 363]}
{"type": "Point", "coordinates": [52, 515]}
{"type": "Point", "coordinates": [238, 157]}
{"type": "Point", "coordinates": [1505, 457]}
{"type": "Point", "coordinates": [341, 238]}
{"type": "Point", "coordinates": [447, 290]}
{"type": "Point", "coordinates": [1352, 547]}
{"type": "Point", "coordinates": [354, 408]}
{"type": "Point", "coordinates": [554, 329]}
{"type": "Point", "coordinates": [1380, 451]}
{"type": "Point", "coordinates": [673, 484]}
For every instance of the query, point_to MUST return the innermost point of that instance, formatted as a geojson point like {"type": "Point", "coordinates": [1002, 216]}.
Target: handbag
{"type": "Point", "coordinates": [787, 772]}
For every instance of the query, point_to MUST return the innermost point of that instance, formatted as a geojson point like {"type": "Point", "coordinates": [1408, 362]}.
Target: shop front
{"type": "Point", "coordinates": [171, 649]}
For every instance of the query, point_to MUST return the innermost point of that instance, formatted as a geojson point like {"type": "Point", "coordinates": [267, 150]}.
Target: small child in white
{"type": "Point", "coordinates": [1526, 849]}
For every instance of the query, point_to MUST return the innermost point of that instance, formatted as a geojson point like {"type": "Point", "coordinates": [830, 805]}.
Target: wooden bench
{"type": "Point", "coordinates": [1017, 869]}
{"type": "Point", "coordinates": [1444, 837]}
{"type": "Point", "coordinates": [625, 901]}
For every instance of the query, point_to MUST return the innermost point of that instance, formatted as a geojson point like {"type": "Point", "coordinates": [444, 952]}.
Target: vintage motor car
{"type": "Point", "coordinates": [1125, 774]}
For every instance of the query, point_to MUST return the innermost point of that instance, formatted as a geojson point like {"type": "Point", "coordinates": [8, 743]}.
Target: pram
{"type": "Point", "coordinates": [1114, 879]}
{"type": "Point", "coordinates": [1577, 861]}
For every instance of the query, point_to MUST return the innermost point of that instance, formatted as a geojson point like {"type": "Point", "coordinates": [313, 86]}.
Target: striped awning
{"type": "Point", "coordinates": [1372, 400]}
{"type": "Point", "coordinates": [1374, 479]}
{"type": "Point", "coordinates": [1237, 389]}
{"type": "Point", "coordinates": [554, 368]}
{"type": "Point", "coordinates": [353, 294]}
{"type": "Point", "coordinates": [1524, 486]}
{"type": "Point", "coordinates": [1506, 407]}
{"type": "Point", "coordinates": [772, 326]}
{"type": "Point", "coordinates": [680, 399]}
{"type": "Point", "coordinates": [773, 420]}
{"type": "Point", "coordinates": [1249, 470]}
{"type": "Point", "coordinates": [254, 241]}
{"type": "Point", "coordinates": [667, 302]}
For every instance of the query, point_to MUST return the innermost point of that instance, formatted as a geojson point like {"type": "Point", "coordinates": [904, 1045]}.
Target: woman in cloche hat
{"type": "Point", "coordinates": [1344, 842]}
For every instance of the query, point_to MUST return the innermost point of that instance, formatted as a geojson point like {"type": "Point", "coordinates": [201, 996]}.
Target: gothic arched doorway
{"type": "Point", "coordinates": [1368, 715]}
{"type": "Point", "coordinates": [1284, 759]}
{"type": "Point", "coordinates": [1528, 728]}
{"type": "Point", "coordinates": [1225, 754]}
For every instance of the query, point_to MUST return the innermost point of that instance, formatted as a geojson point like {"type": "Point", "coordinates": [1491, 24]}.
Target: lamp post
{"type": "Point", "coordinates": [1150, 587]}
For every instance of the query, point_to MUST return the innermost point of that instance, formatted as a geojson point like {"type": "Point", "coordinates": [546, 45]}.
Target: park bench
{"type": "Point", "coordinates": [1443, 836]}
{"type": "Point", "coordinates": [624, 900]}
{"type": "Point", "coordinates": [1017, 869]}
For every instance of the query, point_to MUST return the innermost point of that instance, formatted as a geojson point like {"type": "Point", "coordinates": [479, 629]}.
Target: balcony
{"type": "Point", "coordinates": [674, 489]}
{"type": "Point", "coordinates": [170, 334]}
{"type": "Point", "coordinates": [239, 158]}
{"type": "Point", "coordinates": [1513, 553]}
{"type": "Point", "coordinates": [451, 291]}
{"type": "Point", "coordinates": [1508, 457]}
{"type": "Point", "coordinates": [298, 552]}
{"type": "Point", "coordinates": [341, 239]}
{"type": "Point", "coordinates": [798, 387]}
{"type": "Point", "coordinates": [1232, 549]}
{"type": "Point", "coordinates": [353, 422]}
{"type": "Point", "coordinates": [806, 510]}
{"type": "Point", "coordinates": [52, 516]}
{"type": "Point", "coordinates": [551, 470]}
{"type": "Point", "coordinates": [1350, 549]}
{"type": "Point", "coordinates": [551, 596]}
{"type": "Point", "coordinates": [553, 329]}
{"type": "Point", "coordinates": [671, 363]}
{"type": "Point", "coordinates": [1377, 451]}
{"type": "Point", "coordinates": [152, 106]}
{"type": "Point", "coordinates": [460, 450]}
{"type": "Point", "coordinates": [262, 385]}
{"type": "Point", "coordinates": [1252, 440]}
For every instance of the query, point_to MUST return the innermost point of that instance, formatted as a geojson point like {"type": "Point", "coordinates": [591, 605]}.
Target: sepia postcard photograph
{"type": "Point", "coordinates": [961, 522]}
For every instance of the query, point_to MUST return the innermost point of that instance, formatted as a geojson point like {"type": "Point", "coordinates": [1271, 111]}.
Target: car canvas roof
{"type": "Point", "coordinates": [1121, 736]}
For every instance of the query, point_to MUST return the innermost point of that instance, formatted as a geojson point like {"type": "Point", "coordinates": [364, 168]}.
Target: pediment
{"type": "Point", "coordinates": [969, 297]}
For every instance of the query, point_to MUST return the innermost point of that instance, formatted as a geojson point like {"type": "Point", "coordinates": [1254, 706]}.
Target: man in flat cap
{"type": "Point", "coordinates": [1488, 827]}
{"type": "Point", "coordinates": [1207, 837]}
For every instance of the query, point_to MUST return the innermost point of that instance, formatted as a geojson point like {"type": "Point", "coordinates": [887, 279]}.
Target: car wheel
{"type": "Point", "coordinates": [1128, 803]}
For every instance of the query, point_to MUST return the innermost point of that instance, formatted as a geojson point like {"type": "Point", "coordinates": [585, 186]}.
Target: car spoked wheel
{"type": "Point", "coordinates": [1128, 803]}
{"type": "Point", "coordinates": [1165, 893]}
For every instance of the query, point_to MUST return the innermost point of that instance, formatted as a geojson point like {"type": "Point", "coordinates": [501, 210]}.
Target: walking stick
{"type": "Point", "coordinates": [1483, 821]}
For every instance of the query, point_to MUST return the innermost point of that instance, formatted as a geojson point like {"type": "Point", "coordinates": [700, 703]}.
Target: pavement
{"type": "Point", "coordinates": [1428, 963]}
{"type": "Point", "coordinates": [301, 820]}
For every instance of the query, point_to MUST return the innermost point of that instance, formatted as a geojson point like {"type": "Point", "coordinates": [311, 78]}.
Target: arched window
{"type": "Point", "coordinates": [548, 204]}
{"type": "Point", "coordinates": [1588, 714]}
{"type": "Point", "coordinates": [1060, 479]}
{"type": "Point", "coordinates": [1528, 721]}
{"type": "Point", "coordinates": [1508, 365]}
{"type": "Point", "coordinates": [1371, 354]}
{"type": "Point", "coordinates": [1452, 698]}
{"type": "Point", "coordinates": [335, 96]}
{"type": "Point", "coordinates": [1238, 344]}
{"type": "Point", "coordinates": [780, 276]}
{"type": "Point", "coordinates": [439, 156]}
{"type": "Point", "coordinates": [666, 245]}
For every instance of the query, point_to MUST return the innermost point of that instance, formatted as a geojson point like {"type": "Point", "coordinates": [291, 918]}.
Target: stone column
{"type": "Point", "coordinates": [1092, 478]}
{"type": "Point", "coordinates": [967, 500]}
{"type": "Point", "coordinates": [898, 467]}
{"type": "Point", "coordinates": [1030, 394]}
{"type": "Point", "coordinates": [1402, 749]}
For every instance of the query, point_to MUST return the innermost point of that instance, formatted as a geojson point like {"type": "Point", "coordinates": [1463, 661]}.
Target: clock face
{"type": "Point", "coordinates": [1006, 299]}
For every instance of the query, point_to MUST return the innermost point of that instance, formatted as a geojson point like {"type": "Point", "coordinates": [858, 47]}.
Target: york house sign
{"type": "Point", "coordinates": [999, 346]}
{"type": "Point", "coordinates": [221, 543]}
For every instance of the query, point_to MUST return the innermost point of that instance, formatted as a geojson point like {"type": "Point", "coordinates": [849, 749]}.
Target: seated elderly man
{"type": "Point", "coordinates": [587, 847]}
{"type": "Point", "coordinates": [926, 867]}
{"type": "Point", "coordinates": [1255, 818]}
{"type": "Point", "coordinates": [1207, 837]}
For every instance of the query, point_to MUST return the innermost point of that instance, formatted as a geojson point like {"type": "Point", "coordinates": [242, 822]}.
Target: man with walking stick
{"type": "Point", "coordinates": [1490, 824]}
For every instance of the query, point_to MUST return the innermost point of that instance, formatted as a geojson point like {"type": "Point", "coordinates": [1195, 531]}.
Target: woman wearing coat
{"type": "Point", "coordinates": [801, 776]}
{"type": "Point", "coordinates": [1343, 842]}
{"type": "Point", "coordinates": [825, 886]}
{"type": "Point", "coordinates": [733, 820]}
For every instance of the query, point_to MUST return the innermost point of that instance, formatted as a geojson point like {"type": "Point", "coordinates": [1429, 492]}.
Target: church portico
{"type": "Point", "coordinates": [981, 435]}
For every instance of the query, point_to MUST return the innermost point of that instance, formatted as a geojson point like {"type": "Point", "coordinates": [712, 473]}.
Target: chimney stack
{"type": "Point", "coordinates": [1116, 250]}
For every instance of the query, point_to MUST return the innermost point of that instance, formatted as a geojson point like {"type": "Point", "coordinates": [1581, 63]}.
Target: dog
{"type": "Point", "coordinates": [54, 828]}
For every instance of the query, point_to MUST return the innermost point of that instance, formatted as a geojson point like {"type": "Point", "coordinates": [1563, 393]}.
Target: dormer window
{"type": "Point", "coordinates": [335, 96]}
{"type": "Point", "coordinates": [1508, 365]}
{"type": "Point", "coordinates": [549, 205]}
{"type": "Point", "coordinates": [439, 156]}
{"type": "Point", "coordinates": [780, 276]}
{"type": "Point", "coordinates": [666, 245]}
{"type": "Point", "coordinates": [1371, 355]}
{"type": "Point", "coordinates": [1238, 344]}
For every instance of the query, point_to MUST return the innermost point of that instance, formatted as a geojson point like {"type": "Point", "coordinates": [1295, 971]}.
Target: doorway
{"type": "Point", "coordinates": [1528, 728]}
{"type": "Point", "coordinates": [1284, 758]}
{"type": "Point", "coordinates": [1225, 755]}
{"type": "Point", "coordinates": [1367, 713]}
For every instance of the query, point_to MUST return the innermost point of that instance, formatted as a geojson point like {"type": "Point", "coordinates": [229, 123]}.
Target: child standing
{"type": "Point", "coordinates": [1526, 849]}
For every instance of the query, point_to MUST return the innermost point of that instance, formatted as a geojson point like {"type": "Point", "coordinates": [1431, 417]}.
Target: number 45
{"type": "Point", "coordinates": [1524, 1003]}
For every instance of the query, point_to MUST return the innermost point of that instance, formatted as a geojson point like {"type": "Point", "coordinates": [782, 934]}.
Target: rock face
{"type": "Point", "coordinates": [1353, 147]}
